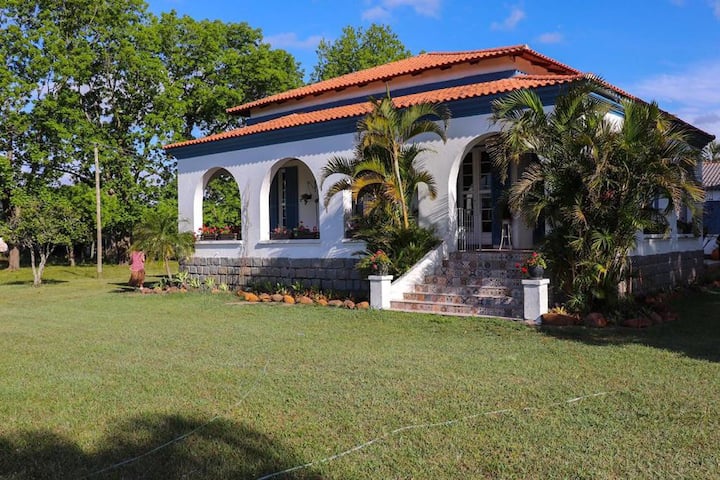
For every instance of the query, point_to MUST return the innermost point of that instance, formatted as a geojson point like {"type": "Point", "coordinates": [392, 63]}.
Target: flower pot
{"type": "Point", "coordinates": [536, 272]}
{"type": "Point", "coordinates": [227, 236]}
{"type": "Point", "coordinates": [279, 236]}
{"type": "Point", "coordinates": [306, 235]}
{"type": "Point", "coordinates": [208, 236]}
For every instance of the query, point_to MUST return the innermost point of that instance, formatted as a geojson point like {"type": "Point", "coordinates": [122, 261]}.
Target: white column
{"type": "Point", "coordinates": [535, 298]}
{"type": "Point", "coordinates": [380, 291]}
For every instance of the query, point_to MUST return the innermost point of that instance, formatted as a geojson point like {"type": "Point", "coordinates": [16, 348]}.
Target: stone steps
{"type": "Point", "coordinates": [452, 309]}
{"type": "Point", "coordinates": [470, 284]}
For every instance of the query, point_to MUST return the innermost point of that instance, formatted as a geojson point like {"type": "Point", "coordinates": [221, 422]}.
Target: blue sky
{"type": "Point", "coordinates": [664, 50]}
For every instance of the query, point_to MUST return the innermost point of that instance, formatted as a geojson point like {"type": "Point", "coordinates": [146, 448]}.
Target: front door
{"type": "Point", "coordinates": [475, 200]}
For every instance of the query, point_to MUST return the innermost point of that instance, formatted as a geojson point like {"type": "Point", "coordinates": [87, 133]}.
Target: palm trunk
{"type": "Point", "coordinates": [400, 187]}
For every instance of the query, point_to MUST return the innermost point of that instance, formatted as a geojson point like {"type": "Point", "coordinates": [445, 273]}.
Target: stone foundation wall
{"type": "Point", "coordinates": [657, 272]}
{"type": "Point", "coordinates": [337, 274]}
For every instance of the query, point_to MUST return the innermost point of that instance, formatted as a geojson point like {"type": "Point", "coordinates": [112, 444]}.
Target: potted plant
{"type": "Point", "coordinates": [227, 233]}
{"type": "Point", "coordinates": [377, 263]}
{"type": "Point", "coordinates": [533, 266]}
{"type": "Point", "coordinates": [279, 233]}
{"type": "Point", "coordinates": [301, 231]}
{"type": "Point", "coordinates": [208, 233]}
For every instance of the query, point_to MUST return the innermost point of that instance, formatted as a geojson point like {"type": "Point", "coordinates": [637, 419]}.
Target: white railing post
{"type": "Point", "coordinates": [535, 298]}
{"type": "Point", "coordinates": [380, 291]}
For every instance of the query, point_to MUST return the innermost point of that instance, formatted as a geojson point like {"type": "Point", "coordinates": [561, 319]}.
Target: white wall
{"type": "Point", "coordinates": [253, 169]}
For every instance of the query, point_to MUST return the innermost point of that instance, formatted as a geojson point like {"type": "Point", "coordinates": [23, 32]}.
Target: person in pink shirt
{"type": "Point", "coordinates": [137, 269]}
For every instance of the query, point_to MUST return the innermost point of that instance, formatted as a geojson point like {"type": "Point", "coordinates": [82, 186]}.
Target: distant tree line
{"type": "Point", "coordinates": [108, 76]}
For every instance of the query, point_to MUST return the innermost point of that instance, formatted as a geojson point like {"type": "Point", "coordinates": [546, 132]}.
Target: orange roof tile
{"type": "Point", "coordinates": [355, 110]}
{"type": "Point", "coordinates": [426, 61]}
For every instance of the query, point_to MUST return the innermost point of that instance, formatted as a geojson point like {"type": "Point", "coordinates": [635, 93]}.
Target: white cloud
{"type": "Point", "coordinates": [382, 10]}
{"type": "Point", "coordinates": [376, 14]}
{"type": "Point", "coordinates": [691, 94]}
{"type": "Point", "coordinates": [291, 40]}
{"type": "Point", "coordinates": [551, 37]}
{"type": "Point", "coordinates": [715, 5]}
{"type": "Point", "coordinates": [516, 16]}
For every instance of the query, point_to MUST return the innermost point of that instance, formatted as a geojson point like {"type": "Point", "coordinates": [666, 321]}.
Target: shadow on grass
{"type": "Point", "coordinates": [222, 449]}
{"type": "Point", "coordinates": [45, 281]}
{"type": "Point", "coordinates": [696, 334]}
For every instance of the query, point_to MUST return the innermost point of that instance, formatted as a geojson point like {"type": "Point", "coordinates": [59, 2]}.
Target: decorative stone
{"type": "Point", "coordinates": [305, 300]}
{"type": "Point", "coordinates": [349, 304]}
{"type": "Point", "coordinates": [322, 302]}
{"type": "Point", "coordinates": [288, 299]}
{"type": "Point", "coordinates": [251, 297]}
{"type": "Point", "coordinates": [335, 303]}
{"type": "Point", "coordinates": [264, 297]}
{"type": "Point", "coordinates": [595, 320]}
{"type": "Point", "coordinates": [362, 306]}
{"type": "Point", "coordinates": [558, 319]}
{"type": "Point", "coordinates": [631, 323]}
{"type": "Point", "coordinates": [276, 298]}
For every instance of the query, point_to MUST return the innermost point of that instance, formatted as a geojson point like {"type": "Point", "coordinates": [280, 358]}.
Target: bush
{"type": "Point", "coordinates": [404, 246]}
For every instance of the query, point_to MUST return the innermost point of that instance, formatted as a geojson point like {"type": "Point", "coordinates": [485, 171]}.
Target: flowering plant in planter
{"type": "Point", "coordinates": [207, 232]}
{"type": "Point", "coordinates": [302, 231]}
{"type": "Point", "coordinates": [377, 263]}
{"type": "Point", "coordinates": [534, 265]}
{"type": "Point", "coordinates": [279, 232]}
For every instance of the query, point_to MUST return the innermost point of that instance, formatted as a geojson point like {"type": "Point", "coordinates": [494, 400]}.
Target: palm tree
{"type": "Point", "coordinates": [384, 162]}
{"type": "Point", "coordinates": [595, 181]}
{"type": "Point", "coordinates": [158, 236]}
{"type": "Point", "coordinates": [711, 153]}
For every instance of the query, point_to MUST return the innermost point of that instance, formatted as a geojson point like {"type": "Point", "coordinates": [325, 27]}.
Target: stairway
{"type": "Point", "coordinates": [472, 283]}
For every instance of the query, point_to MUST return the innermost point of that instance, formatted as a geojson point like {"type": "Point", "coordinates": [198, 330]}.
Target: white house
{"type": "Point", "coordinates": [277, 157]}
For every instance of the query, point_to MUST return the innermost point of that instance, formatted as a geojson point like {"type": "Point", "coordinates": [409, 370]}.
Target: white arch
{"type": "Point", "coordinates": [309, 176]}
{"type": "Point", "coordinates": [199, 190]}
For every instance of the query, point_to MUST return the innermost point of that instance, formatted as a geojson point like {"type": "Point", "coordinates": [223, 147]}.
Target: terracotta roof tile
{"type": "Point", "coordinates": [359, 109]}
{"type": "Point", "coordinates": [711, 175]}
{"type": "Point", "coordinates": [419, 63]}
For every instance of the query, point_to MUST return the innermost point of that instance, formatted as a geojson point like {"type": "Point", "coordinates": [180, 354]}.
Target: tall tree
{"type": "Point", "coordinates": [358, 49]}
{"type": "Point", "coordinates": [41, 222]}
{"type": "Point", "coordinates": [594, 183]}
{"type": "Point", "coordinates": [212, 66]}
{"type": "Point", "coordinates": [99, 72]}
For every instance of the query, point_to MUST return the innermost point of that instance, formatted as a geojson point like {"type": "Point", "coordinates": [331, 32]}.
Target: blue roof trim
{"type": "Point", "coordinates": [458, 108]}
{"type": "Point", "coordinates": [456, 82]}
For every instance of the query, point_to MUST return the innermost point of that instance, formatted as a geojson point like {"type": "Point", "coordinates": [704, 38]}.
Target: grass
{"type": "Point", "coordinates": [94, 375]}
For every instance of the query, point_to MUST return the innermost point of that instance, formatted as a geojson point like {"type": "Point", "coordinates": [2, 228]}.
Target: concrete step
{"type": "Point", "coordinates": [473, 281]}
{"type": "Point", "coordinates": [487, 290]}
{"type": "Point", "coordinates": [455, 309]}
{"type": "Point", "coordinates": [470, 300]}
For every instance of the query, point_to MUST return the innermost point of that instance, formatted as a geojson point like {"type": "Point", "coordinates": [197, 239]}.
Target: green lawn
{"type": "Point", "coordinates": [100, 382]}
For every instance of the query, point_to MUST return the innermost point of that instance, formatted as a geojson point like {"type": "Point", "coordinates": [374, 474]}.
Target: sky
{"type": "Point", "coordinates": [662, 50]}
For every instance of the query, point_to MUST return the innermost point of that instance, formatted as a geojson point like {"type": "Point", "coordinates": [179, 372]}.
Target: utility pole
{"type": "Point", "coordinates": [98, 249]}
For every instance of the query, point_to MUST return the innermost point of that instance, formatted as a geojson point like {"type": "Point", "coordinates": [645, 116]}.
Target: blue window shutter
{"type": "Point", "coordinates": [274, 203]}
{"type": "Point", "coordinates": [291, 196]}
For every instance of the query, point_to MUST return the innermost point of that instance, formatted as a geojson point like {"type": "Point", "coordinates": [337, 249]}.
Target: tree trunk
{"type": "Point", "coordinates": [14, 259]}
{"type": "Point", "coordinates": [71, 255]}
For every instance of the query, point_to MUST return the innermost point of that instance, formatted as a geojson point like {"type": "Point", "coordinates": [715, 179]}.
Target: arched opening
{"type": "Point", "coordinates": [483, 217]}
{"type": "Point", "coordinates": [293, 202]}
{"type": "Point", "coordinates": [221, 207]}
